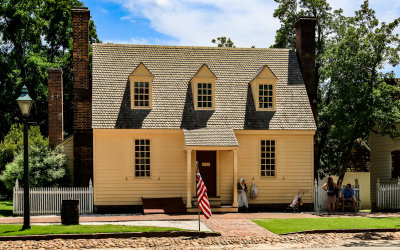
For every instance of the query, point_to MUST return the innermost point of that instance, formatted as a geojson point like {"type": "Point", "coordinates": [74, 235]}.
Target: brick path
{"type": "Point", "coordinates": [237, 227]}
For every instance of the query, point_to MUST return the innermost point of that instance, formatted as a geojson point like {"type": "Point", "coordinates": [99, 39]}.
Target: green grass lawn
{"type": "Point", "coordinates": [8, 230]}
{"type": "Point", "coordinates": [280, 226]}
{"type": "Point", "coordinates": [6, 208]}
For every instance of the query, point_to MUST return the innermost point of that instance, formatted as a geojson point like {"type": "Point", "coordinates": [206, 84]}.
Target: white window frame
{"type": "Point", "coordinates": [260, 158]}
{"type": "Point", "coordinates": [134, 159]}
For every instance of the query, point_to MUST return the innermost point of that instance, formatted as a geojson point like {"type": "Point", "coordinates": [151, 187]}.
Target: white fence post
{"type": "Point", "coordinates": [47, 200]}
{"type": "Point", "coordinates": [315, 195]}
{"type": "Point", "coordinates": [387, 195]}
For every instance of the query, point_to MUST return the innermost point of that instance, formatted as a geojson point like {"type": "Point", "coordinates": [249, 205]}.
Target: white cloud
{"type": "Point", "coordinates": [196, 22]}
{"type": "Point", "coordinates": [251, 22]}
{"type": "Point", "coordinates": [247, 23]}
{"type": "Point", "coordinates": [141, 40]}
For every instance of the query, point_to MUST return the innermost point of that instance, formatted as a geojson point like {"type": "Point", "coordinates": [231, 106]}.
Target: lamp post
{"type": "Point", "coordinates": [25, 104]}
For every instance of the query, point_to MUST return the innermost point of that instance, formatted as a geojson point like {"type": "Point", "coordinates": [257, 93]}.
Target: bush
{"type": "Point", "coordinates": [13, 142]}
{"type": "Point", "coordinates": [46, 168]}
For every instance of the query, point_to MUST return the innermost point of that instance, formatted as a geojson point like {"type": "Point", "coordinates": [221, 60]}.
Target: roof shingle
{"type": "Point", "coordinates": [172, 107]}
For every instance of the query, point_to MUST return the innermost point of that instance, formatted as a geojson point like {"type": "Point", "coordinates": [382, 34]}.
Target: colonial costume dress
{"type": "Point", "coordinates": [242, 196]}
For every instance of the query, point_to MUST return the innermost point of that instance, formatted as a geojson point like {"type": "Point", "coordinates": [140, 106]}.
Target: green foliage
{"type": "Point", "coordinates": [223, 42]}
{"type": "Point", "coordinates": [356, 96]}
{"type": "Point", "coordinates": [353, 97]}
{"type": "Point", "coordinates": [46, 167]}
{"type": "Point", "coordinates": [35, 35]}
{"type": "Point", "coordinates": [13, 142]}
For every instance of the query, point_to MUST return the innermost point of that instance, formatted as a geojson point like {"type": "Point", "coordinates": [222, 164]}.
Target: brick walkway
{"type": "Point", "coordinates": [237, 227]}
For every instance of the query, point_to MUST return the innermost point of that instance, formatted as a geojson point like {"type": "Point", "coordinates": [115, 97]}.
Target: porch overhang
{"type": "Point", "coordinates": [214, 138]}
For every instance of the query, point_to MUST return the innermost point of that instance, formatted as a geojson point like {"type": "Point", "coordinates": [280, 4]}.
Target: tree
{"type": "Point", "coordinates": [13, 144]}
{"type": "Point", "coordinates": [357, 97]}
{"type": "Point", "coordinates": [46, 167]}
{"type": "Point", "coordinates": [223, 42]}
{"type": "Point", "coordinates": [35, 35]}
{"type": "Point", "coordinates": [353, 97]}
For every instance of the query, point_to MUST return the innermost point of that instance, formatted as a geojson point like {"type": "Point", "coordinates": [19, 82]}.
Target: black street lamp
{"type": "Point", "coordinates": [25, 104]}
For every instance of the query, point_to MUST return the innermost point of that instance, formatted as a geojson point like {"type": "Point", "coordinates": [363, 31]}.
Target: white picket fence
{"type": "Point", "coordinates": [47, 200]}
{"type": "Point", "coordinates": [320, 196]}
{"type": "Point", "coordinates": [388, 195]}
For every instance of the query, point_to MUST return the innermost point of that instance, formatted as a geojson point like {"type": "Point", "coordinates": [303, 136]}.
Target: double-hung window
{"type": "Point", "coordinates": [141, 81]}
{"type": "Point", "coordinates": [268, 158]}
{"type": "Point", "coordinates": [263, 87]}
{"type": "Point", "coordinates": [142, 158]}
{"type": "Point", "coordinates": [203, 88]}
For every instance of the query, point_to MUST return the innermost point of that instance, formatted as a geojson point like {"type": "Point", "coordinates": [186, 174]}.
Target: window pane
{"type": "Point", "coordinates": [265, 96]}
{"type": "Point", "coordinates": [142, 158]}
{"type": "Point", "coordinates": [267, 159]}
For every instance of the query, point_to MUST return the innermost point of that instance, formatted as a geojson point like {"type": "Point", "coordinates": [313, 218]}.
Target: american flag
{"type": "Point", "coordinates": [202, 197]}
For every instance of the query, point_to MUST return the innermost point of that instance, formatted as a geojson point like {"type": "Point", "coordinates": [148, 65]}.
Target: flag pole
{"type": "Point", "coordinates": [198, 205]}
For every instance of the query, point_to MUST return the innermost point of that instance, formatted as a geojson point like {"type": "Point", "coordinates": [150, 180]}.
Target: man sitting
{"type": "Point", "coordinates": [348, 195]}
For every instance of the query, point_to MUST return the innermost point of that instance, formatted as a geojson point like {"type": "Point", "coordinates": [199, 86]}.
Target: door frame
{"type": "Point", "coordinates": [217, 170]}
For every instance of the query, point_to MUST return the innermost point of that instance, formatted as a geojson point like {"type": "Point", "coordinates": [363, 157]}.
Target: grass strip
{"type": "Point", "coordinates": [280, 226]}
{"type": "Point", "coordinates": [6, 208]}
{"type": "Point", "coordinates": [11, 230]}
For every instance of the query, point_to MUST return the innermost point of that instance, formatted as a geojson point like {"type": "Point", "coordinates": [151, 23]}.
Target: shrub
{"type": "Point", "coordinates": [46, 167]}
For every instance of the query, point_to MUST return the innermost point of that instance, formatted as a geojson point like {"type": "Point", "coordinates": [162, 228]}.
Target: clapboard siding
{"type": "Point", "coordinates": [115, 183]}
{"type": "Point", "coordinates": [68, 145]}
{"type": "Point", "coordinates": [381, 148]}
{"type": "Point", "coordinates": [294, 167]}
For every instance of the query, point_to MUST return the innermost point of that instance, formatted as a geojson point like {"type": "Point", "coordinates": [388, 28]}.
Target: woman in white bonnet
{"type": "Point", "coordinates": [242, 196]}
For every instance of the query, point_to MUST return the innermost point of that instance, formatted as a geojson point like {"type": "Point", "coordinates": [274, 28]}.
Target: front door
{"type": "Point", "coordinates": [208, 169]}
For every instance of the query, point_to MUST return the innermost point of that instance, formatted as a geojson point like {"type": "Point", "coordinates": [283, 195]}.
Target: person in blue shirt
{"type": "Point", "coordinates": [348, 195]}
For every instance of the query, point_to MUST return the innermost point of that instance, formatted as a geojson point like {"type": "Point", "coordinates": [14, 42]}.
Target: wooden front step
{"type": "Point", "coordinates": [221, 209]}
{"type": "Point", "coordinates": [214, 201]}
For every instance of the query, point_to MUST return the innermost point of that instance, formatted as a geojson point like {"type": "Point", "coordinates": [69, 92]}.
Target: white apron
{"type": "Point", "coordinates": [242, 199]}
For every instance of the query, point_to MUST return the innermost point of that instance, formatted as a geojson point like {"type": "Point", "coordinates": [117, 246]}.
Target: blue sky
{"type": "Point", "coordinates": [196, 22]}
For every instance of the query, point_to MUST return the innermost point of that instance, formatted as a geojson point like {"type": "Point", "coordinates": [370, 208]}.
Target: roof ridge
{"type": "Point", "coordinates": [188, 47]}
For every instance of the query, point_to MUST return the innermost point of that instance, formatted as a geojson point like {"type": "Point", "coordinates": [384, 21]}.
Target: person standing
{"type": "Point", "coordinates": [331, 190]}
{"type": "Point", "coordinates": [242, 194]}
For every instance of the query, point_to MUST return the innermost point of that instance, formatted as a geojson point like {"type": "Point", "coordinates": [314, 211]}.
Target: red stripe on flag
{"type": "Point", "coordinates": [202, 197]}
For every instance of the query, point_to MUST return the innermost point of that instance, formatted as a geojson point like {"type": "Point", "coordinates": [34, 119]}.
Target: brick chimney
{"type": "Point", "coordinates": [305, 50]}
{"type": "Point", "coordinates": [55, 106]}
{"type": "Point", "coordinates": [82, 102]}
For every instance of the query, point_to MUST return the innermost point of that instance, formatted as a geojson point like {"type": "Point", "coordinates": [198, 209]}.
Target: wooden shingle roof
{"type": "Point", "coordinates": [172, 102]}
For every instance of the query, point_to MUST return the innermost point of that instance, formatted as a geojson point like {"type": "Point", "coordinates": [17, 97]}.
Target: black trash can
{"type": "Point", "coordinates": [70, 212]}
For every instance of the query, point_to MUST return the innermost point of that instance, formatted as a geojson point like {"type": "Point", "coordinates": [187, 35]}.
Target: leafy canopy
{"type": "Point", "coordinates": [353, 96]}
{"type": "Point", "coordinates": [357, 97]}
{"type": "Point", "coordinates": [35, 35]}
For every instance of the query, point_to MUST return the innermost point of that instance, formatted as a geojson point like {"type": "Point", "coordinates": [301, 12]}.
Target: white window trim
{"type": "Point", "coordinates": [132, 83]}
{"type": "Point", "coordinates": [259, 157]}
{"type": "Point", "coordinates": [134, 159]}
{"type": "Point", "coordinates": [195, 83]}
{"type": "Point", "coordinates": [255, 85]}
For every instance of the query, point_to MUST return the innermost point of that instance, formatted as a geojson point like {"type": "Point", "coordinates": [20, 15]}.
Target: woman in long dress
{"type": "Point", "coordinates": [242, 196]}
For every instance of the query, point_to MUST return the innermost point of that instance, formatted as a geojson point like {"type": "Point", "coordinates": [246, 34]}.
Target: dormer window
{"type": "Point", "coordinates": [141, 87]}
{"type": "Point", "coordinates": [263, 88]}
{"type": "Point", "coordinates": [203, 89]}
{"type": "Point", "coordinates": [265, 96]}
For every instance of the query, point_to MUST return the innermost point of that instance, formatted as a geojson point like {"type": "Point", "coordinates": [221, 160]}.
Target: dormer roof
{"type": "Point", "coordinates": [173, 67]}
